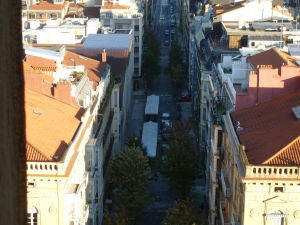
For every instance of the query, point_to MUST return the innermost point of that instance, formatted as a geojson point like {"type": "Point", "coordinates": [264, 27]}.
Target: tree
{"type": "Point", "coordinates": [175, 60]}
{"type": "Point", "coordinates": [176, 73]}
{"type": "Point", "coordinates": [182, 213]}
{"type": "Point", "coordinates": [150, 58]}
{"type": "Point", "coordinates": [180, 164]}
{"type": "Point", "coordinates": [128, 175]}
{"type": "Point", "coordinates": [134, 141]}
{"type": "Point", "coordinates": [120, 217]}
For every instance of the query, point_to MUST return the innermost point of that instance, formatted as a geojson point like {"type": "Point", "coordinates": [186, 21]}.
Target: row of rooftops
{"type": "Point", "coordinates": [48, 116]}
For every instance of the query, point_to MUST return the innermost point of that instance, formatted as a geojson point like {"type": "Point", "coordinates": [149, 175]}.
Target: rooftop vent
{"type": "Point", "coordinates": [37, 112]}
{"type": "Point", "coordinates": [296, 111]}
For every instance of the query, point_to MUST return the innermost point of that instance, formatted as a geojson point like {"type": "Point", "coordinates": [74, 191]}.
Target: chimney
{"type": "Point", "coordinates": [103, 56]}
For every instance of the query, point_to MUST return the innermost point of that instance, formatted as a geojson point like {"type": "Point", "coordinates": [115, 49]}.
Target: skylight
{"type": "Point", "coordinates": [296, 111]}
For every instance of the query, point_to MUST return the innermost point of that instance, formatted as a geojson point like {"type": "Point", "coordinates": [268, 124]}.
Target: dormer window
{"type": "Point", "coordinates": [58, 1]}
{"type": "Point", "coordinates": [31, 16]}
{"type": "Point", "coordinates": [278, 189]}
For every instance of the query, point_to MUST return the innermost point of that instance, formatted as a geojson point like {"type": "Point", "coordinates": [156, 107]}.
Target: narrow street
{"type": "Point", "coordinates": [163, 86]}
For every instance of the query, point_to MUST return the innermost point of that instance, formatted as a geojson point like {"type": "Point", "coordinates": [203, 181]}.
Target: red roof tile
{"type": "Point", "coordinates": [48, 5]}
{"type": "Point", "coordinates": [110, 5]}
{"type": "Point", "coordinates": [94, 68]}
{"type": "Point", "coordinates": [269, 57]}
{"type": "Point", "coordinates": [270, 131]}
{"type": "Point", "coordinates": [50, 125]}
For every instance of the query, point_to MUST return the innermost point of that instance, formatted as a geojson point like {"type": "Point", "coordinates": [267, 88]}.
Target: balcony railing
{"type": "Point", "coordinates": [108, 155]}
{"type": "Point", "coordinates": [108, 126]}
{"type": "Point", "coordinates": [106, 99]}
{"type": "Point", "coordinates": [225, 185]}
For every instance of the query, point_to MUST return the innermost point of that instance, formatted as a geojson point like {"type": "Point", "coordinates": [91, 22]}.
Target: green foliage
{"type": "Point", "coordinates": [151, 53]}
{"type": "Point", "coordinates": [120, 217]}
{"type": "Point", "coordinates": [180, 164]}
{"type": "Point", "coordinates": [175, 67]}
{"type": "Point", "coordinates": [177, 73]}
{"type": "Point", "coordinates": [182, 213]}
{"type": "Point", "coordinates": [134, 141]}
{"type": "Point", "coordinates": [128, 175]}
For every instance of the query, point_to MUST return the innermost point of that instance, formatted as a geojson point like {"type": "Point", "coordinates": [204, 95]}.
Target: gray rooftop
{"type": "Point", "coordinates": [108, 41]}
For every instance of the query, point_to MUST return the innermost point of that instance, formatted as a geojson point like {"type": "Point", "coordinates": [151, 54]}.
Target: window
{"type": "Point", "coordinates": [136, 71]}
{"type": "Point", "coordinates": [31, 16]}
{"type": "Point", "coordinates": [278, 189]}
{"type": "Point", "coordinates": [204, 114]}
{"type": "Point", "coordinates": [252, 43]}
{"type": "Point", "coordinates": [203, 136]}
{"type": "Point", "coordinates": [136, 60]}
{"type": "Point", "coordinates": [205, 88]}
{"type": "Point", "coordinates": [136, 39]}
{"type": "Point", "coordinates": [115, 99]}
{"type": "Point", "coordinates": [136, 49]}
{"type": "Point", "coordinates": [32, 215]}
{"type": "Point", "coordinates": [136, 28]}
{"type": "Point", "coordinates": [119, 26]}
{"type": "Point", "coordinates": [275, 218]}
{"type": "Point", "coordinates": [54, 15]}
{"type": "Point", "coordinates": [120, 15]}
{"type": "Point", "coordinates": [109, 15]}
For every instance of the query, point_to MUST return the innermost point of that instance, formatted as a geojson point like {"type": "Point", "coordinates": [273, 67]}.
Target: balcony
{"type": "Point", "coordinates": [108, 155]}
{"type": "Point", "coordinates": [106, 99]}
{"type": "Point", "coordinates": [108, 126]}
{"type": "Point", "coordinates": [85, 213]}
{"type": "Point", "coordinates": [223, 214]}
{"type": "Point", "coordinates": [225, 184]}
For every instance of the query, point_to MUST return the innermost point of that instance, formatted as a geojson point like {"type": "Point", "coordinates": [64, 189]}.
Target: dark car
{"type": "Point", "coordinates": [167, 32]}
{"type": "Point", "coordinates": [184, 98]}
{"type": "Point", "coordinates": [172, 31]}
{"type": "Point", "coordinates": [167, 43]}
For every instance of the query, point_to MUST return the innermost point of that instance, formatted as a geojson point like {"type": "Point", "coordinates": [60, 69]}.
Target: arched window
{"type": "Point", "coordinates": [32, 215]}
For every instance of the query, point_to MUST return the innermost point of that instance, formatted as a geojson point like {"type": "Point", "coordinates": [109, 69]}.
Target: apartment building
{"type": "Point", "coordinates": [66, 166]}
{"type": "Point", "coordinates": [258, 176]}
{"type": "Point", "coordinates": [262, 88]}
{"type": "Point", "coordinates": [125, 15]}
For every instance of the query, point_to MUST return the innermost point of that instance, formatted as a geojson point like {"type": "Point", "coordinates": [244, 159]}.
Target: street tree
{"type": "Point", "coordinates": [180, 164]}
{"type": "Point", "coordinates": [176, 73]}
{"type": "Point", "coordinates": [151, 53]}
{"type": "Point", "coordinates": [175, 59]}
{"type": "Point", "coordinates": [119, 217]}
{"type": "Point", "coordinates": [185, 213]}
{"type": "Point", "coordinates": [134, 141]}
{"type": "Point", "coordinates": [128, 176]}
{"type": "Point", "coordinates": [182, 213]}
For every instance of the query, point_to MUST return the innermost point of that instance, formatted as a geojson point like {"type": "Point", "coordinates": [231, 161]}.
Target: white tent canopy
{"type": "Point", "coordinates": [149, 138]}
{"type": "Point", "coordinates": [152, 105]}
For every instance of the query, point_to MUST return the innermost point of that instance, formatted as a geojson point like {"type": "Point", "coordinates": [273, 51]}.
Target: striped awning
{"type": "Point", "coordinates": [276, 215]}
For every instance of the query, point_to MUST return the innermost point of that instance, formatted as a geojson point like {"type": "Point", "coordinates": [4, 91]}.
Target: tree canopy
{"type": "Point", "coordinates": [128, 175]}
{"type": "Point", "coordinates": [134, 141]}
{"type": "Point", "coordinates": [185, 213]}
{"type": "Point", "coordinates": [151, 53]}
{"type": "Point", "coordinates": [180, 162]}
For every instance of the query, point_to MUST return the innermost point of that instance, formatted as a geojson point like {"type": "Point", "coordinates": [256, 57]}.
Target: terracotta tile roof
{"type": "Point", "coordinates": [49, 132]}
{"type": "Point", "coordinates": [110, 5]}
{"type": "Point", "coordinates": [27, 67]}
{"type": "Point", "coordinates": [48, 78]}
{"type": "Point", "coordinates": [227, 8]}
{"type": "Point", "coordinates": [33, 154]}
{"type": "Point", "coordinates": [118, 59]}
{"type": "Point", "coordinates": [94, 68]}
{"type": "Point", "coordinates": [271, 132]}
{"type": "Point", "coordinates": [271, 56]}
{"type": "Point", "coordinates": [48, 5]}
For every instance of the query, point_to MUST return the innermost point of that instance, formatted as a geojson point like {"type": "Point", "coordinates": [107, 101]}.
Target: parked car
{"type": "Point", "coordinates": [185, 98]}
{"type": "Point", "coordinates": [165, 119]}
{"type": "Point", "coordinates": [167, 32]}
{"type": "Point", "coordinates": [167, 43]}
{"type": "Point", "coordinates": [172, 31]}
{"type": "Point", "coordinates": [162, 17]}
